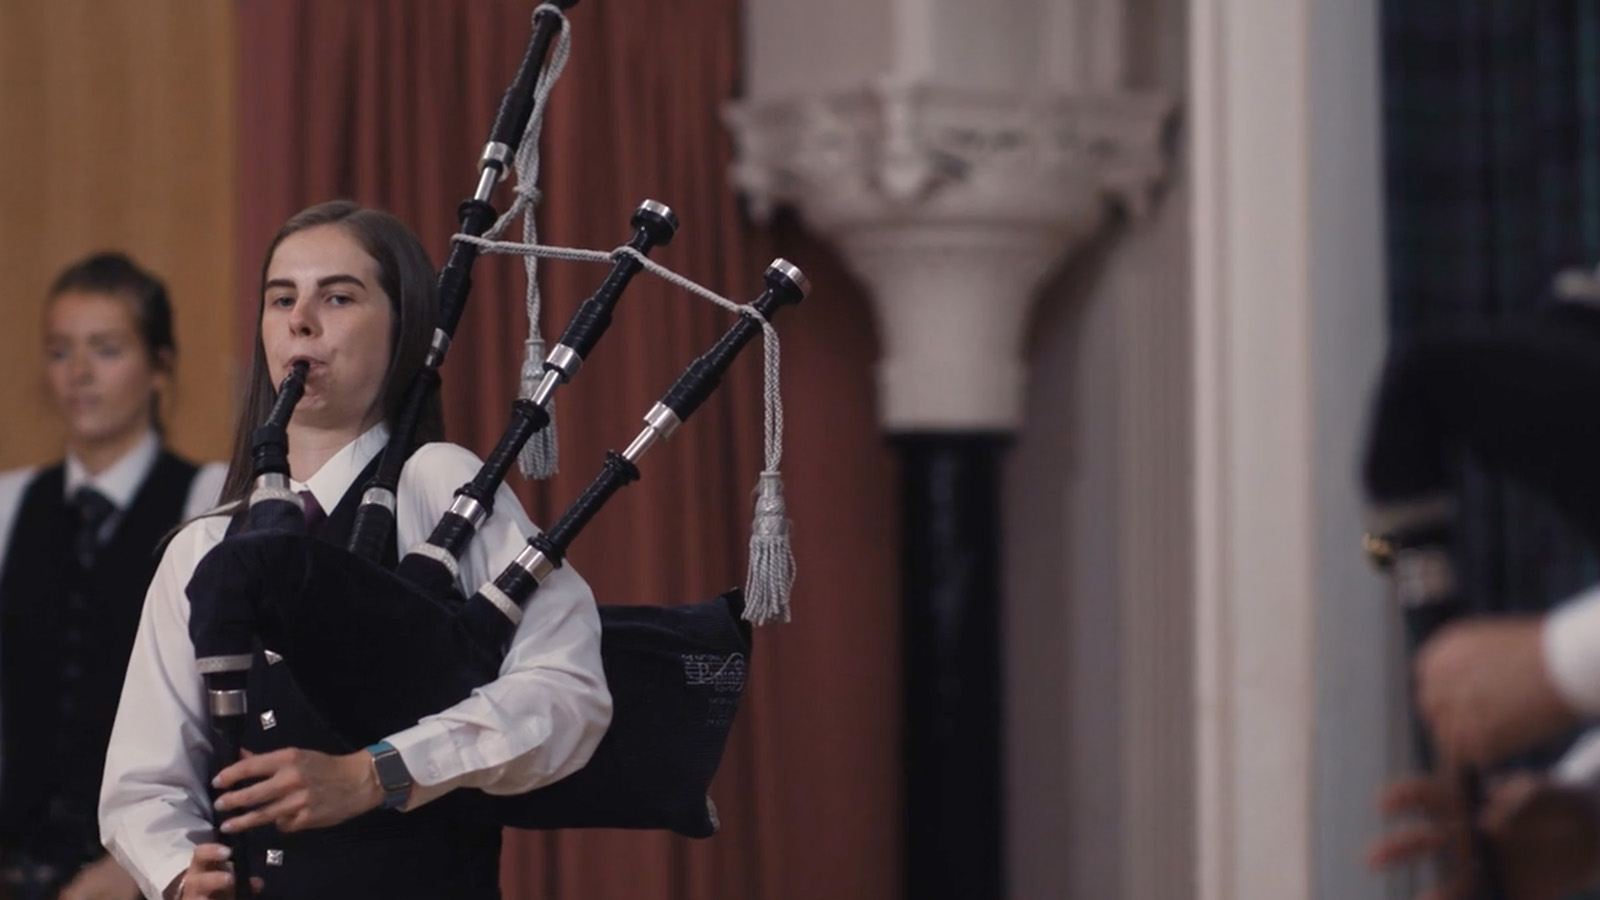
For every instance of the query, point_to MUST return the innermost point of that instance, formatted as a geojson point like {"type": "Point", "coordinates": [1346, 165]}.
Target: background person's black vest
{"type": "Point", "coordinates": [448, 848]}
{"type": "Point", "coordinates": [65, 638]}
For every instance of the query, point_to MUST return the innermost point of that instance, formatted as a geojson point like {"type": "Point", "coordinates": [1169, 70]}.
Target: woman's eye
{"type": "Point", "coordinates": [108, 352]}
{"type": "Point", "coordinates": [283, 301]}
{"type": "Point", "coordinates": [340, 299]}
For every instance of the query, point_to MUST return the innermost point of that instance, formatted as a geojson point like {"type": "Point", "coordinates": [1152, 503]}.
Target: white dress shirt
{"type": "Point", "coordinates": [1571, 639]}
{"type": "Point", "coordinates": [120, 483]}
{"type": "Point", "coordinates": [1571, 643]}
{"type": "Point", "coordinates": [538, 722]}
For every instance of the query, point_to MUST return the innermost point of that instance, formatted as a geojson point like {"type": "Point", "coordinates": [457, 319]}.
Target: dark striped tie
{"type": "Point", "coordinates": [93, 509]}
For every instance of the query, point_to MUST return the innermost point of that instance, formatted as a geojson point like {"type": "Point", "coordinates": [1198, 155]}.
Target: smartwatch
{"type": "Point", "coordinates": [393, 776]}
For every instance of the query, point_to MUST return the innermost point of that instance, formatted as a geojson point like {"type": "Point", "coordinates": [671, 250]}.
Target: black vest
{"type": "Point", "coordinates": [448, 848]}
{"type": "Point", "coordinates": [65, 637]}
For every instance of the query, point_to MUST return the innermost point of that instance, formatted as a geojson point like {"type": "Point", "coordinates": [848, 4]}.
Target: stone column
{"type": "Point", "coordinates": [951, 203]}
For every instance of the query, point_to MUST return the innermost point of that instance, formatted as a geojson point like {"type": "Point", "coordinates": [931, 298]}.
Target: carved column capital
{"type": "Point", "coordinates": [951, 204]}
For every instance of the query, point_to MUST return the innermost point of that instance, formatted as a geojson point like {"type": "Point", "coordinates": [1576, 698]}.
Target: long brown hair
{"type": "Point", "coordinates": [406, 275]}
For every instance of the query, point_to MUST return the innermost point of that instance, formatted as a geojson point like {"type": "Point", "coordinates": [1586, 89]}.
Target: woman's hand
{"type": "Point", "coordinates": [209, 876]}
{"type": "Point", "coordinates": [102, 879]}
{"type": "Point", "coordinates": [1545, 837]}
{"type": "Point", "coordinates": [298, 789]}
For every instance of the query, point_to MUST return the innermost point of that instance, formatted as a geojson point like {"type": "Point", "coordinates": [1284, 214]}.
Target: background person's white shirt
{"type": "Point", "coordinates": [120, 482]}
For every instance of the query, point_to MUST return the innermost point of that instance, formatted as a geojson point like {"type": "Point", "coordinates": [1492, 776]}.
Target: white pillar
{"type": "Point", "coordinates": [1293, 684]}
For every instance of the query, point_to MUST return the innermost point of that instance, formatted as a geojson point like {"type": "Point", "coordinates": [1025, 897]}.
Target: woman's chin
{"type": "Point", "coordinates": [96, 431]}
{"type": "Point", "coordinates": [317, 417]}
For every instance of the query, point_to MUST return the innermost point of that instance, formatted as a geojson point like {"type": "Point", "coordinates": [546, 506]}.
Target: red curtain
{"type": "Point", "coordinates": [389, 102]}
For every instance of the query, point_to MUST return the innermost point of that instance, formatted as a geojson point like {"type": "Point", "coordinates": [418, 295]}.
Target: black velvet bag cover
{"type": "Point", "coordinates": [372, 654]}
{"type": "Point", "coordinates": [676, 675]}
{"type": "Point", "coordinates": [1523, 398]}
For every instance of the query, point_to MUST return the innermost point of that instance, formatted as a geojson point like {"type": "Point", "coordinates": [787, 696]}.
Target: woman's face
{"type": "Point", "coordinates": [323, 303]}
{"type": "Point", "coordinates": [101, 376]}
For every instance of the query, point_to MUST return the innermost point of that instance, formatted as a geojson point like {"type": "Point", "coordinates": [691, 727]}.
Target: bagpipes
{"type": "Point", "coordinates": [1516, 398]}
{"type": "Point", "coordinates": [270, 597]}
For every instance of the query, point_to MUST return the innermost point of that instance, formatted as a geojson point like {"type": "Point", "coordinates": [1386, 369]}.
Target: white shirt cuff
{"type": "Point", "coordinates": [1571, 639]}
{"type": "Point", "coordinates": [428, 781]}
{"type": "Point", "coordinates": [1580, 765]}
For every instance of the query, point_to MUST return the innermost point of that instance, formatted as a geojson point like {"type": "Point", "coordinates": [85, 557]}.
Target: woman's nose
{"type": "Point", "coordinates": [79, 367]}
{"type": "Point", "coordinates": [303, 319]}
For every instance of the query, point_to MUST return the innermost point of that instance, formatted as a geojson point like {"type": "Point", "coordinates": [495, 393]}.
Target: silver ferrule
{"type": "Point", "coordinates": [662, 210]}
{"type": "Point", "coordinates": [267, 494]}
{"type": "Point", "coordinates": [533, 561]}
{"type": "Point", "coordinates": [378, 496]}
{"type": "Point", "coordinates": [439, 347]}
{"type": "Point", "coordinates": [663, 420]}
{"type": "Point", "coordinates": [487, 179]}
{"type": "Point", "coordinates": [227, 703]}
{"type": "Point", "coordinates": [469, 509]}
{"type": "Point", "coordinates": [272, 481]}
{"type": "Point", "coordinates": [215, 665]}
{"type": "Point", "coordinates": [495, 153]}
{"type": "Point", "coordinates": [792, 272]}
{"type": "Point", "coordinates": [565, 359]}
{"type": "Point", "coordinates": [660, 422]}
{"type": "Point", "coordinates": [643, 442]}
{"type": "Point", "coordinates": [547, 387]}
{"type": "Point", "coordinates": [493, 165]}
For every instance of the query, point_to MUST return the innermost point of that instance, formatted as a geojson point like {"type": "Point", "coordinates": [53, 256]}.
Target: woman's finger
{"type": "Point", "coordinates": [211, 856]}
{"type": "Point", "coordinates": [253, 766]}
{"type": "Point", "coordinates": [268, 790]}
{"type": "Point", "coordinates": [278, 811]}
{"type": "Point", "coordinates": [208, 883]}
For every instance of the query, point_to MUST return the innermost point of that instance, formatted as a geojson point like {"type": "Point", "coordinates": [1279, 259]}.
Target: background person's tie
{"type": "Point", "coordinates": [93, 508]}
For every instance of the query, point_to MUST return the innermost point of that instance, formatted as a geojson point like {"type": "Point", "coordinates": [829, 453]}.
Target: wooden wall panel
{"type": "Point", "coordinates": [116, 131]}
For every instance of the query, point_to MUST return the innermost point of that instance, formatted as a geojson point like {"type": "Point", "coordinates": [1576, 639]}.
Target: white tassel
{"type": "Point", "coordinates": [538, 458]}
{"type": "Point", "coordinates": [771, 575]}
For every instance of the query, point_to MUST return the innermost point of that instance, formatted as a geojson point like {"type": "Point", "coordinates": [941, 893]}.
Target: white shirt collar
{"type": "Point", "coordinates": [121, 480]}
{"type": "Point", "coordinates": [330, 482]}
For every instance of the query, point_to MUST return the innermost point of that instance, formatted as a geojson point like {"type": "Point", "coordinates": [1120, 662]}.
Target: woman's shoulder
{"type": "Point", "coordinates": [434, 473]}
{"type": "Point", "coordinates": [14, 480]}
{"type": "Point", "coordinates": [200, 534]}
{"type": "Point", "coordinates": [443, 459]}
{"type": "Point", "coordinates": [13, 484]}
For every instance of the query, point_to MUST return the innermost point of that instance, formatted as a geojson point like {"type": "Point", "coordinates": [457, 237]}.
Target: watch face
{"type": "Point", "coordinates": [392, 773]}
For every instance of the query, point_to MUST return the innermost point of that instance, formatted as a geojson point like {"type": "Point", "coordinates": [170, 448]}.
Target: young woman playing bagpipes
{"type": "Point", "coordinates": [350, 293]}
{"type": "Point", "coordinates": [80, 540]}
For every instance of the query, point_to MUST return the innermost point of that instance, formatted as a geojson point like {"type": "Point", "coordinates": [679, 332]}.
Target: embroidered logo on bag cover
{"type": "Point", "coordinates": [725, 673]}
